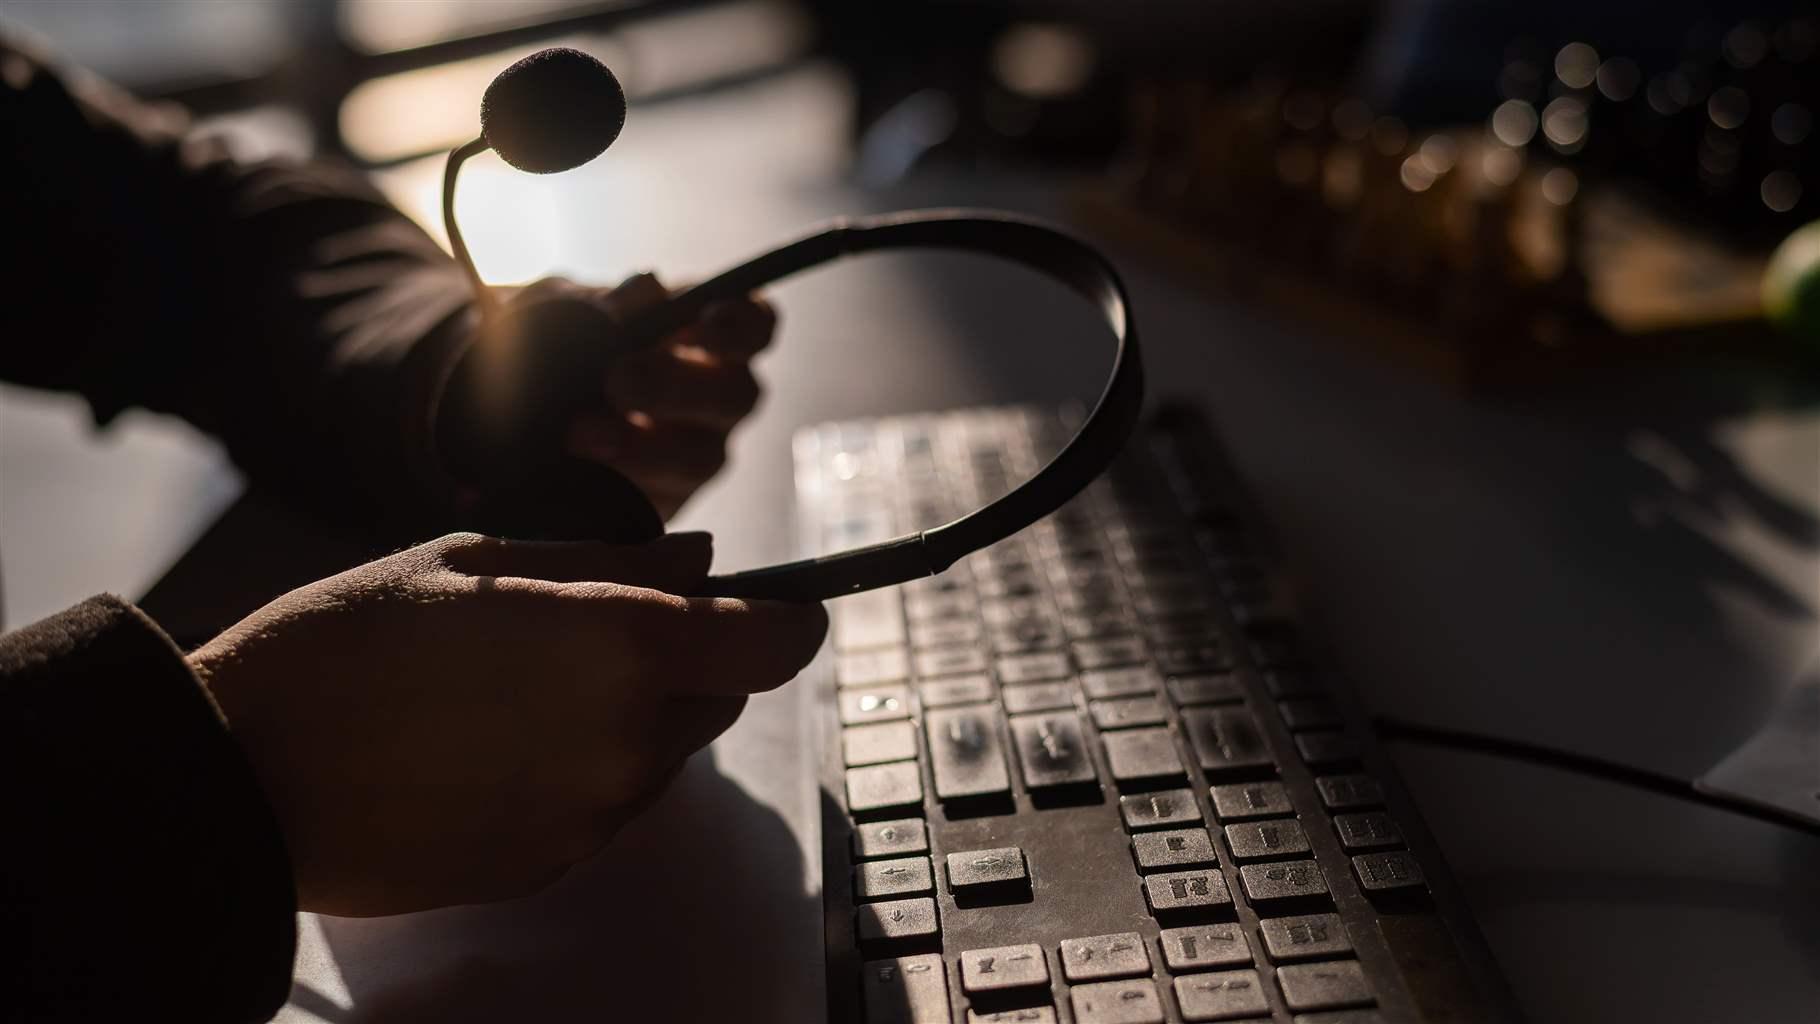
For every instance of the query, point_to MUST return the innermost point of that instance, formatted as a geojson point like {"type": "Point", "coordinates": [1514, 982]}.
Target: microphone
{"type": "Point", "coordinates": [508, 400]}
{"type": "Point", "coordinates": [552, 111]}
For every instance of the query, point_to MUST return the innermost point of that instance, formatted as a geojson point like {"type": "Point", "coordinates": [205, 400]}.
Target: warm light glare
{"type": "Point", "coordinates": [379, 26]}
{"type": "Point", "coordinates": [509, 218]}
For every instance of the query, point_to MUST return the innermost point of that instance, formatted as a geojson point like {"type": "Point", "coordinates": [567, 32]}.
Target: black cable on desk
{"type": "Point", "coordinates": [1584, 764]}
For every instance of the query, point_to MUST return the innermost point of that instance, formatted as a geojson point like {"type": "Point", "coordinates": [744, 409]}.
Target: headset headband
{"type": "Point", "coordinates": [1025, 242]}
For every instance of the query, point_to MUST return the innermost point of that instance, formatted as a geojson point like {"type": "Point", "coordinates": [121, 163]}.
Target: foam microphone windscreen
{"type": "Point", "coordinates": [556, 109]}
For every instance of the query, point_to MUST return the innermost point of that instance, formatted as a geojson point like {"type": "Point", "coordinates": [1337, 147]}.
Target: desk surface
{"type": "Point", "coordinates": [1633, 574]}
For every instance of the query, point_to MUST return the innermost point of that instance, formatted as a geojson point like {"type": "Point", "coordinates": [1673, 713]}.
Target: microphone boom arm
{"type": "Point", "coordinates": [483, 295]}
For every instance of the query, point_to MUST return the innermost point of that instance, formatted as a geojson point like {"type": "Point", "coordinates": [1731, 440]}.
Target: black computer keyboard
{"type": "Point", "coordinates": [1094, 773]}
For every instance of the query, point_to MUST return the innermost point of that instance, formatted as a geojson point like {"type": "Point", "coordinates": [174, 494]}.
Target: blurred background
{"type": "Point", "coordinates": [1504, 308]}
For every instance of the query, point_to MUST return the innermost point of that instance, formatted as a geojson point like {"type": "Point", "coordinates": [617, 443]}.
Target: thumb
{"type": "Point", "coordinates": [674, 563]}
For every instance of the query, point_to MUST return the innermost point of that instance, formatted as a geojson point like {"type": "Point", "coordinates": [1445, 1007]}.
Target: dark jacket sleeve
{"type": "Point", "coordinates": [286, 308]}
{"type": "Point", "coordinates": [140, 867]}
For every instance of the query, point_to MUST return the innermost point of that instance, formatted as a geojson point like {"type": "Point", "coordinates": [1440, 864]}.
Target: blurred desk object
{"type": "Point", "coordinates": [1629, 566]}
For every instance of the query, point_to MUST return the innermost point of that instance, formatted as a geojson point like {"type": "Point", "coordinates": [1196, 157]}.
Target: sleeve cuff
{"type": "Point", "coordinates": [145, 871]}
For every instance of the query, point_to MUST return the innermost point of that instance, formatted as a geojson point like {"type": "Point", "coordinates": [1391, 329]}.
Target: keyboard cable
{"type": "Point", "coordinates": [1583, 764]}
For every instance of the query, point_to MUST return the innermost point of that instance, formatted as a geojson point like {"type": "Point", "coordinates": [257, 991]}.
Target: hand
{"type": "Point", "coordinates": [463, 721]}
{"type": "Point", "coordinates": [671, 408]}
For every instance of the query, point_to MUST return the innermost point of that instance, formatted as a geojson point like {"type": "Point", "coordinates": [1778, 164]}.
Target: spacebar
{"type": "Point", "coordinates": [965, 753]}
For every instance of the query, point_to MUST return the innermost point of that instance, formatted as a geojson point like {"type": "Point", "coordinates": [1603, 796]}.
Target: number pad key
{"type": "Point", "coordinates": [1052, 750]}
{"type": "Point", "coordinates": [1003, 967]}
{"type": "Point", "coordinates": [1037, 697]}
{"type": "Point", "coordinates": [1201, 946]}
{"type": "Point", "coordinates": [1206, 688]}
{"type": "Point", "coordinates": [949, 661]}
{"type": "Point", "coordinates": [878, 743]}
{"type": "Point", "coordinates": [1264, 840]}
{"type": "Point", "coordinates": [1344, 792]}
{"type": "Point", "coordinates": [1395, 871]}
{"type": "Point", "coordinates": [967, 689]}
{"type": "Point", "coordinates": [1117, 1002]}
{"type": "Point", "coordinates": [1176, 848]}
{"type": "Point", "coordinates": [908, 990]}
{"type": "Point", "coordinates": [874, 704]}
{"type": "Point", "coordinates": [965, 754]}
{"type": "Point", "coordinates": [1109, 653]}
{"type": "Point", "coordinates": [870, 668]}
{"type": "Point", "coordinates": [1138, 755]}
{"type": "Point", "coordinates": [1119, 682]}
{"type": "Point", "coordinates": [1226, 739]}
{"type": "Point", "coordinates": [1282, 882]}
{"type": "Point", "coordinates": [1367, 831]}
{"type": "Point", "coordinates": [1324, 986]}
{"type": "Point", "coordinates": [1309, 937]}
{"type": "Point", "coordinates": [1186, 891]}
{"type": "Point", "coordinates": [1105, 956]}
{"type": "Point", "coordinates": [1221, 995]}
{"type": "Point", "coordinates": [1242, 800]}
{"type": "Point", "coordinates": [1159, 810]}
{"type": "Point", "coordinates": [1126, 712]}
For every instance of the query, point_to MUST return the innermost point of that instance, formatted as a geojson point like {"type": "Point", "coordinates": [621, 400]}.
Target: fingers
{"type": "Point", "coordinates": [674, 563]}
{"type": "Point", "coordinates": [662, 458]}
{"type": "Point", "coordinates": [670, 388]}
{"type": "Point", "coordinates": [638, 292]}
{"type": "Point", "coordinates": [723, 646]}
{"type": "Point", "coordinates": [736, 329]}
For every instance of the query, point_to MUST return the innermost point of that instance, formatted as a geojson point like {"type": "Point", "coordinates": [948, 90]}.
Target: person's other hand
{"type": "Point", "coordinates": [671, 408]}
{"type": "Point", "coordinates": [464, 720]}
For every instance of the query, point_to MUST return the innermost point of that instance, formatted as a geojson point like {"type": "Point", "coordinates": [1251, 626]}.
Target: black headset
{"type": "Point", "coordinates": [560, 108]}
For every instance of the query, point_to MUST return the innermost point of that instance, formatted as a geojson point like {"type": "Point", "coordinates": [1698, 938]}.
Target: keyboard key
{"type": "Point", "coordinates": [1309, 713]}
{"type": "Point", "coordinates": [1262, 840]}
{"type": "Point", "coordinates": [908, 990]}
{"type": "Point", "coordinates": [1226, 739]}
{"type": "Point", "coordinates": [1109, 653]}
{"type": "Point", "coordinates": [1176, 848]}
{"type": "Point", "coordinates": [1004, 611]}
{"type": "Point", "coordinates": [872, 619]}
{"type": "Point", "coordinates": [945, 633]}
{"type": "Point", "coordinates": [1037, 697]}
{"type": "Point", "coordinates": [905, 876]}
{"type": "Point", "coordinates": [1125, 712]}
{"type": "Point", "coordinates": [1288, 682]}
{"type": "Point", "coordinates": [1289, 880]}
{"type": "Point", "coordinates": [1200, 946]}
{"type": "Point", "coordinates": [1326, 747]}
{"type": "Point", "coordinates": [1309, 937]}
{"type": "Point", "coordinates": [883, 786]}
{"type": "Point", "coordinates": [965, 755]}
{"type": "Point", "coordinates": [939, 606]}
{"type": "Point", "coordinates": [1396, 871]}
{"type": "Point", "coordinates": [969, 689]}
{"type": "Point", "coordinates": [1028, 1015]}
{"type": "Point", "coordinates": [1028, 635]}
{"type": "Point", "coordinates": [1033, 668]}
{"type": "Point", "coordinates": [1137, 755]}
{"type": "Point", "coordinates": [890, 838]}
{"type": "Point", "coordinates": [974, 870]}
{"type": "Point", "coordinates": [1052, 750]}
{"type": "Point", "coordinates": [877, 744]}
{"type": "Point", "coordinates": [1340, 1017]}
{"type": "Point", "coordinates": [1180, 891]}
{"type": "Point", "coordinates": [1343, 792]}
{"type": "Point", "coordinates": [1159, 810]}
{"type": "Point", "coordinates": [1206, 688]}
{"type": "Point", "coordinates": [949, 661]}
{"type": "Point", "coordinates": [869, 668]}
{"type": "Point", "coordinates": [1105, 956]}
{"type": "Point", "coordinates": [874, 704]}
{"type": "Point", "coordinates": [1187, 659]}
{"type": "Point", "coordinates": [1003, 967]}
{"type": "Point", "coordinates": [1022, 582]}
{"type": "Point", "coordinates": [1119, 682]}
{"type": "Point", "coordinates": [1117, 1002]}
{"type": "Point", "coordinates": [1242, 800]}
{"type": "Point", "coordinates": [1222, 995]}
{"type": "Point", "coordinates": [1324, 986]}
{"type": "Point", "coordinates": [897, 920]}
{"type": "Point", "coordinates": [1103, 623]}
{"type": "Point", "coordinates": [1368, 830]}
